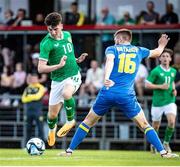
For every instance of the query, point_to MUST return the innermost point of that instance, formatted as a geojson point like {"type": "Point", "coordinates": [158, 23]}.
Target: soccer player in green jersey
{"type": "Point", "coordinates": [161, 80]}
{"type": "Point", "coordinates": [57, 57]}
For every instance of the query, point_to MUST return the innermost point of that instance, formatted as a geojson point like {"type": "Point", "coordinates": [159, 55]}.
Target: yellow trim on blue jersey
{"type": "Point", "coordinates": [84, 128]}
{"type": "Point", "coordinates": [148, 129]}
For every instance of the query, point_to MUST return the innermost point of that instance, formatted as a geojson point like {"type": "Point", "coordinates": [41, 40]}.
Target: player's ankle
{"type": "Point", "coordinates": [69, 151]}
{"type": "Point", "coordinates": [163, 152]}
{"type": "Point", "coordinates": [53, 129]}
{"type": "Point", "coordinates": [72, 121]}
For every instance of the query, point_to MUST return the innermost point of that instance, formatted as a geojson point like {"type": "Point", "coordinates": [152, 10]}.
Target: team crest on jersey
{"type": "Point", "coordinates": [172, 74]}
{"type": "Point", "coordinates": [161, 74]}
{"type": "Point", "coordinates": [69, 39]}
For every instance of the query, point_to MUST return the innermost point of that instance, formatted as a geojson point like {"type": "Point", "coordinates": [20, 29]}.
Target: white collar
{"type": "Point", "coordinates": [167, 70]}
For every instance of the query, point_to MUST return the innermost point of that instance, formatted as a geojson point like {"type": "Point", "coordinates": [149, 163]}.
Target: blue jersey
{"type": "Point", "coordinates": [121, 94]}
{"type": "Point", "coordinates": [126, 64]}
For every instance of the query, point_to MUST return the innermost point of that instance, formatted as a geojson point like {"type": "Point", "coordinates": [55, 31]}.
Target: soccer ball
{"type": "Point", "coordinates": [35, 146]}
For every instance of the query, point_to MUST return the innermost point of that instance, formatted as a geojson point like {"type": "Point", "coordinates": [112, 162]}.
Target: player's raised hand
{"type": "Point", "coordinates": [163, 40]}
{"type": "Point", "coordinates": [62, 61]}
{"type": "Point", "coordinates": [165, 86]}
{"type": "Point", "coordinates": [81, 58]}
{"type": "Point", "coordinates": [108, 83]}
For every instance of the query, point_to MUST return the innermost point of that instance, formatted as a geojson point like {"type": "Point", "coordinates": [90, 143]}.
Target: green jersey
{"type": "Point", "coordinates": [53, 50]}
{"type": "Point", "coordinates": [160, 76]}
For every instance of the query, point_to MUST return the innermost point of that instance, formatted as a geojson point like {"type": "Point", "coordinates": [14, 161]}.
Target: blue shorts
{"type": "Point", "coordinates": [127, 103]}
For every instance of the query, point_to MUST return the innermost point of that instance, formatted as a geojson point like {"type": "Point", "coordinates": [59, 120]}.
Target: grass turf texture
{"type": "Point", "coordinates": [19, 157]}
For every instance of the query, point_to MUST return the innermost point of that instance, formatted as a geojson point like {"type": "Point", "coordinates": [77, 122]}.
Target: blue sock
{"type": "Point", "coordinates": [153, 138]}
{"type": "Point", "coordinates": [78, 137]}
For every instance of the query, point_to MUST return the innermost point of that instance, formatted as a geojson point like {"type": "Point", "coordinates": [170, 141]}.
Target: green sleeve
{"type": "Point", "coordinates": [68, 36]}
{"type": "Point", "coordinates": [45, 49]}
{"type": "Point", "coordinates": [152, 77]}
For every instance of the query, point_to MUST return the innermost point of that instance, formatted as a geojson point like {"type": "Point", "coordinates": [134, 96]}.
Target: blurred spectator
{"type": "Point", "coordinates": [5, 85]}
{"type": "Point", "coordinates": [74, 17]}
{"type": "Point", "coordinates": [9, 20]}
{"type": "Point", "coordinates": [31, 98]}
{"type": "Point", "coordinates": [18, 82]}
{"type": "Point", "coordinates": [39, 19]}
{"type": "Point", "coordinates": [140, 80]}
{"type": "Point", "coordinates": [7, 56]}
{"type": "Point", "coordinates": [140, 17]}
{"type": "Point", "coordinates": [149, 39]}
{"type": "Point", "coordinates": [126, 20]}
{"type": "Point", "coordinates": [177, 67]}
{"type": "Point", "coordinates": [1, 62]}
{"type": "Point", "coordinates": [177, 47]}
{"type": "Point", "coordinates": [150, 17]}
{"type": "Point", "coordinates": [170, 17]}
{"type": "Point", "coordinates": [33, 69]}
{"type": "Point", "coordinates": [21, 15]}
{"type": "Point", "coordinates": [93, 82]}
{"type": "Point", "coordinates": [106, 19]}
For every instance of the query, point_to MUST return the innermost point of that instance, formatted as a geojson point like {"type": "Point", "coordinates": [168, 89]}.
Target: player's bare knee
{"type": "Point", "coordinates": [67, 95]}
{"type": "Point", "coordinates": [171, 124]}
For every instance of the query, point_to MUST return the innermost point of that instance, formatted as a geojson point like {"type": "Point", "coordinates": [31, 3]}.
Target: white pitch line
{"type": "Point", "coordinates": [90, 166]}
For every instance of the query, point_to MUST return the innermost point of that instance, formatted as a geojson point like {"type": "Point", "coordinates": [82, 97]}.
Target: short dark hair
{"type": "Point", "coordinates": [74, 4]}
{"type": "Point", "coordinates": [10, 12]}
{"type": "Point", "coordinates": [167, 50]}
{"type": "Point", "coordinates": [22, 10]}
{"type": "Point", "coordinates": [53, 19]}
{"type": "Point", "coordinates": [152, 3]}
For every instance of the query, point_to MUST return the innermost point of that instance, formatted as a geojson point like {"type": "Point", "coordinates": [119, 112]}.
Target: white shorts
{"type": "Point", "coordinates": [55, 96]}
{"type": "Point", "coordinates": [157, 112]}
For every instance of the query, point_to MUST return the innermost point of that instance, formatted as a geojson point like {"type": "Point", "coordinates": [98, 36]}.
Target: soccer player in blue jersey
{"type": "Point", "coordinates": [122, 62]}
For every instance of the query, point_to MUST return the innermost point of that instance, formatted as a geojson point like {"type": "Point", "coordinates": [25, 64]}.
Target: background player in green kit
{"type": "Point", "coordinates": [161, 80]}
{"type": "Point", "coordinates": [57, 57]}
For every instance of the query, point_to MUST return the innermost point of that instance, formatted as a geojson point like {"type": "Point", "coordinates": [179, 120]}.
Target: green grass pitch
{"type": "Point", "coordinates": [19, 157]}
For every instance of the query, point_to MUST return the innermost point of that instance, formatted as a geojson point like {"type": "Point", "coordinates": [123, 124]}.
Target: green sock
{"type": "Point", "coordinates": [52, 122]}
{"type": "Point", "coordinates": [168, 134]}
{"type": "Point", "coordinates": [69, 105]}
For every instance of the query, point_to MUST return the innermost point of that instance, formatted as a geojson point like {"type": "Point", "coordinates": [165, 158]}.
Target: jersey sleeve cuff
{"type": "Point", "coordinates": [43, 59]}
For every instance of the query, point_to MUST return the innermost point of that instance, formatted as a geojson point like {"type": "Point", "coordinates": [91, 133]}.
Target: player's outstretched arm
{"type": "Point", "coordinates": [44, 68]}
{"type": "Point", "coordinates": [150, 85]}
{"type": "Point", "coordinates": [108, 69]}
{"type": "Point", "coordinates": [162, 42]}
{"type": "Point", "coordinates": [82, 57]}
